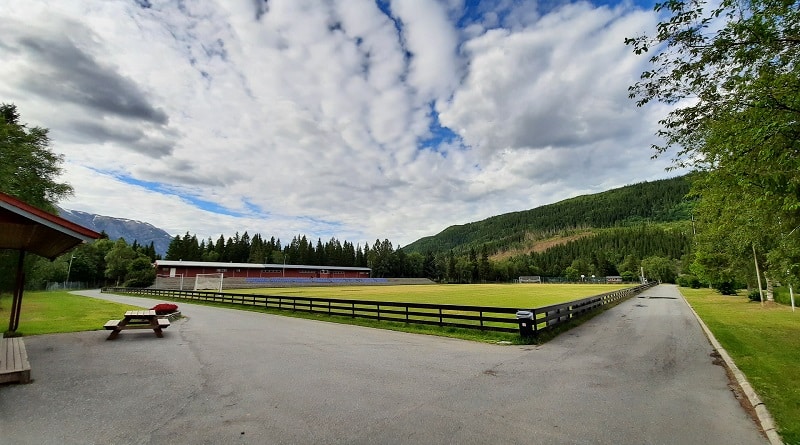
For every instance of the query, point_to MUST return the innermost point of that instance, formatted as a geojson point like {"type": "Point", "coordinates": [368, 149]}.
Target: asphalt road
{"type": "Point", "coordinates": [640, 373]}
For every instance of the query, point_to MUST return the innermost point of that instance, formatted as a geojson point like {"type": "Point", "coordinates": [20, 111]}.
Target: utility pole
{"type": "Point", "coordinates": [69, 269]}
{"type": "Point", "coordinates": [758, 275]}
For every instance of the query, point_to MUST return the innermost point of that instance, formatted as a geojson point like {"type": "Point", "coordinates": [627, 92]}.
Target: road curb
{"type": "Point", "coordinates": [762, 414]}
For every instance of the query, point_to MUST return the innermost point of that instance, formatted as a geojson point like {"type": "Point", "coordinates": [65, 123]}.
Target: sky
{"type": "Point", "coordinates": [353, 119]}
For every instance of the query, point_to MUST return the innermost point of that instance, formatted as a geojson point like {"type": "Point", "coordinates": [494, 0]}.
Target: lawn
{"type": "Point", "coordinates": [54, 312]}
{"type": "Point", "coordinates": [764, 341]}
{"type": "Point", "coordinates": [497, 295]}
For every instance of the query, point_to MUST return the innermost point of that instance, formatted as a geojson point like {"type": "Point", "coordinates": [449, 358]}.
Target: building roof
{"type": "Point", "coordinates": [24, 227]}
{"type": "Point", "coordinates": [221, 265]}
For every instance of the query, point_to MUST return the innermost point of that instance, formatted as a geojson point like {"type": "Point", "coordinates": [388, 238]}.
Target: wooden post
{"type": "Point", "coordinates": [758, 275]}
{"type": "Point", "coordinates": [16, 299]}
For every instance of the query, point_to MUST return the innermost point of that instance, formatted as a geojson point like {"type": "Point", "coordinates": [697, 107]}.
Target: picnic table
{"type": "Point", "coordinates": [145, 319]}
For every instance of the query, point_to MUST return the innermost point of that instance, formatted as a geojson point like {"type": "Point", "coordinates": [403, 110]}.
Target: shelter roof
{"type": "Point", "coordinates": [25, 227]}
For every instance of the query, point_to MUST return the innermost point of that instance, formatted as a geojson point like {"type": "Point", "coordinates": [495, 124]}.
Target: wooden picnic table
{"type": "Point", "coordinates": [145, 319]}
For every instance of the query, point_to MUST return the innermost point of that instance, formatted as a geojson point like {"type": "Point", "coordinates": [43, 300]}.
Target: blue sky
{"type": "Point", "coordinates": [349, 119]}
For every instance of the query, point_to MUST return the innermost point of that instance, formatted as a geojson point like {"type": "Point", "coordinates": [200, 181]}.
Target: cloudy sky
{"type": "Point", "coordinates": [352, 119]}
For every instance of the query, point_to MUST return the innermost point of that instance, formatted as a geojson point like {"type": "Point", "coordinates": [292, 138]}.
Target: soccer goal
{"type": "Point", "coordinates": [206, 281]}
{"type": "Point", "coordinates": [530, 279]}
{"type": "Point", "coordinates": [169, 281]}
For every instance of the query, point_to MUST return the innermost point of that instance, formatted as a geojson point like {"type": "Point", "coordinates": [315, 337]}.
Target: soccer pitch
{"type": "Point", "coordinates": [495, 295]}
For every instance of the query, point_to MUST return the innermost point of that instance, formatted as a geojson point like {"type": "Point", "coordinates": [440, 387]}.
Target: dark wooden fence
{"type": "Point", "coordinates": [490, 318]}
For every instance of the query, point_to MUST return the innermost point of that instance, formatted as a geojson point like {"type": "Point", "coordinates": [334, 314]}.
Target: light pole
{"type": "Point", "coordinates": [69, 269]}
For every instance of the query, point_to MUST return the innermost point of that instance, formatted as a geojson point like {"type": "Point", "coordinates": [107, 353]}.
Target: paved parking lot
{"type": "Point", "coordinates": [639, 373]}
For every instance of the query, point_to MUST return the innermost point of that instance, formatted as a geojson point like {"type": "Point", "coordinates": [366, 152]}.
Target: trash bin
{"type": "Point", "coordinates": [525, 320]}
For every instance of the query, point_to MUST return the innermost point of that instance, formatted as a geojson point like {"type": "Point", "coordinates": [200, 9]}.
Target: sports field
{"type": "Point", "coordinates": [497, 295]}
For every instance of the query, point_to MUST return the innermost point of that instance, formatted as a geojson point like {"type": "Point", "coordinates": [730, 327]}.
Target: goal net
{"type": "Point", "coordinates": [208, 281]}
{"type": "Point", "coordinates": [530, 279]}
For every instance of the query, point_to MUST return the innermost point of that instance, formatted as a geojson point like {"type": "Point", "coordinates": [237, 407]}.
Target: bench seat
{"type": "Point", "coordinates": [111, 324]}
{"type": "Point", "coordinates": [14, 364]}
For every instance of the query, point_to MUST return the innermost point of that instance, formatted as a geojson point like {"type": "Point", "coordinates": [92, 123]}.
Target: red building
{"type": "Point", "coordinates": [190, 269]}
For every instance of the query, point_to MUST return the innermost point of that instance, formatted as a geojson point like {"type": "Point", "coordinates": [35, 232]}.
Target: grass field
{"type": "Point", "coordinates": [497, 295]}
{"type": "Point", "coordinates": [54, 312]}
{"type": "Point", "coordinates": [764, 342]}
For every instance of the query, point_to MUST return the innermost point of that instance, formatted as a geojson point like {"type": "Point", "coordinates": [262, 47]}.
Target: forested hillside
{"type": "Point", "coordinates": [615, 251]}
{"type": "Point", "coordinates": [657, 201]}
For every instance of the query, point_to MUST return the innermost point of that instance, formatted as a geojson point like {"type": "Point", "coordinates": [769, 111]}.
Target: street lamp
{"type": "Point", "coordinates": [69, 269]}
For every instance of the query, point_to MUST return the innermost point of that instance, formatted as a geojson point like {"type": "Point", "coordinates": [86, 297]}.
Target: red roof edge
{"type": "Point", "coordinates": [53, 219]}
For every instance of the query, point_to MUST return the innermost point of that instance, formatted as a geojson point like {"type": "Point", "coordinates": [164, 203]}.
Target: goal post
{"type": "Point", "coordinates": [208, 281]}
{"type": "Point", "coordinates": [174, 279]}
{"type": "Point", "coordinates": [530, 279]}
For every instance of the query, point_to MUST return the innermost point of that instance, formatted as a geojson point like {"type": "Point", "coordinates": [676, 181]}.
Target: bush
{"type": "Point", "coordinates": [725, 287]}
{"type": "Point", "coordinates": [782, 295]}
{"type": "Point", "coordinates": [165, 308]}
{"type": "Point", "coordinates": [754, 295]}
{"type": "Point", "coordinates": [687, 280]}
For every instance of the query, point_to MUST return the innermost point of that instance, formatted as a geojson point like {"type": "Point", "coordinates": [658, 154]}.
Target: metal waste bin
{"type": "Point", "coordinates": [525, 320]}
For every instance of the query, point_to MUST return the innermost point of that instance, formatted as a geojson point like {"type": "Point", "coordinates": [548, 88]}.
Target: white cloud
{"type": "Point", "coordinates": [432, 40]}
{"type": "Point", "coordinates": [313, 114]}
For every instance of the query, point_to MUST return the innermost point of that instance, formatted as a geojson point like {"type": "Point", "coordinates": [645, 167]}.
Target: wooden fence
{"type": "Point", "coordinates": [490, 318]}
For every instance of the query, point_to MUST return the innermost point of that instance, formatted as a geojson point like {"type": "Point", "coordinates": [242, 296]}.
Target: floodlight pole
{"type": "Point", "coordinates": [69, 269]}
{"type": "Point", "coordinates": [758, 275]}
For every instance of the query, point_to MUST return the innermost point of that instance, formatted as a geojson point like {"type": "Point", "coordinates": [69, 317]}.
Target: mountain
{"type": "Point", "coordinates": [142, 232]}
{"type": "Point", "coordinates": [657, 201]}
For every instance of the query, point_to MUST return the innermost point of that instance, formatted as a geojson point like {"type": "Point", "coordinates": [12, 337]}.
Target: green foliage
{"type": "Point", "coordinates": [660, 268]}
{"type": "Point", "coordinates": [783, 296]}
{"type": "Point", "coordinates": [611, 251]}
{"type": "Point", "coordinates": [657, 201]}
{"type": "Point", "coordinates": [689, 280]}
{"type": "Point", "coordinates": [244, 249]}
{"type": "Point", "coordinates": [141, 273]}
{"type": "Point", "coordinates": [28, 168]}
{"type": "Point", "coordinates": [572, 274]}
{"type": "Point", "coordinates": [725, 287]}
{"type": "Point", "coordinates": [128, 266]}
{"type": "Point", "coordinates": [29, 171]}
{"type": "Point", "coordinates": [734, 69]}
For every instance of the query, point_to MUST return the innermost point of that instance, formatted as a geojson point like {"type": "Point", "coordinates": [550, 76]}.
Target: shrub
{"type": "Point", "coordinates": [165, 308]}
{"type": "Point", "coordinates": [687, 280]}
{"type": "Point", "coordinates": [754, 295]}
{"type": "Point", "coordinates": [725, 287]}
